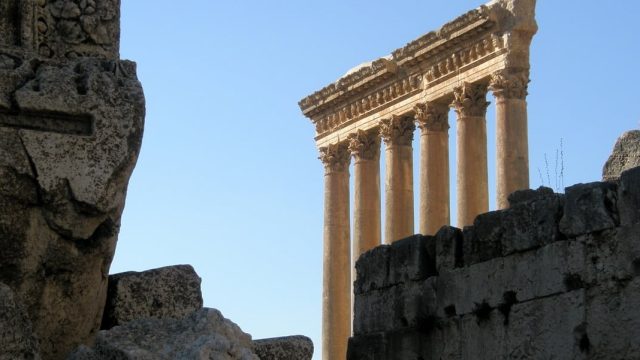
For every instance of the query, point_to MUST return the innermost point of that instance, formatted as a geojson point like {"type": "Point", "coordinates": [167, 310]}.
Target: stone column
{"type": "Point", "coordinates": [397, 133]}
{"type": "Point", "coordinates": [432, 119]}
{"type": "Point", "coordinates": [365, 148]}
{"type": "Point", "coordinates": [471, 104]}
{"type": "Point", "coordinates": [512, 165]}
{"type": "Point", "coordinates": [336, 290]}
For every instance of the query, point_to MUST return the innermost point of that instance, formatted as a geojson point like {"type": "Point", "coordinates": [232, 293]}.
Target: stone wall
{"type": "Point", "coordinates": [555, 276]}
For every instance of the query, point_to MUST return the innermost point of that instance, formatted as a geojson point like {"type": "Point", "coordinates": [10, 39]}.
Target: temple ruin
{"type": "Point", "coordinates": [486, 49]}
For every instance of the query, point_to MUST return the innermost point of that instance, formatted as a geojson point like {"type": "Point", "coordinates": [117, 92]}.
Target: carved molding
{"type": "Point", "coordinates": [454, 32]}
{"type": "Point", "coordinates": [470, 100]}
{"type": "Point", "coordinates": [472, 53]}
{"type": "Point", "coordinates": [364, 145]}
{"type": "Point", "coordinates": [335, 157]}
{"type": "Point", "coordinates": [369, 103]}
{"type": "Point", "coordinates": [506, 84]}
{"type": "Point", "coordinates": [68, 28]}
{"type": "Point", "coordinates": [397, 130]}
{"type": "Point", "coordinates": [432, 116]}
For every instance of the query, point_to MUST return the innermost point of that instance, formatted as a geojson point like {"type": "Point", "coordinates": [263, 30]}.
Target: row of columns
{"type": "Point", "coordinates": [469, 102]}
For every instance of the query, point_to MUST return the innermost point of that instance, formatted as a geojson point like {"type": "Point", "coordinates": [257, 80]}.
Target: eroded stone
{"type": "Point", "coordinates": [284, 348]}
{"type": "Point", "coordinates": [168, 292]}
{"type": "Point", "coordinates": [202, 335]}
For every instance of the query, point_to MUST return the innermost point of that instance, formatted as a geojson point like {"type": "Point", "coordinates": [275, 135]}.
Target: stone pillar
{"type": "Point", "coordinates": [365, 148]}
{"type": "Point", "coordinates": [397, 133]}
{"type": "Point", "coordinates": [512, 165]}
{"type": "Point", "coordinates": [336, 290]}
{"type": "Point", "coordinates": [471, 104]}
{"type": "Point", "coordinates": [432, 119]}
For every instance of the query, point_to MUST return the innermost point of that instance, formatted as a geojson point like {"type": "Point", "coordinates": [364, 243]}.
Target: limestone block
{"type": "Point", "coordinates": [482, 338]}
{"type": "Point", "coordinates": [412, 258]}
{"type": "Point", "coordinates": [530, 222]}
{"type": "Point", "coordinates": [372, 269]}
{"type": "Point", "coordinates": [284, 348]}
{"type": "Point", "coordinates": [168, 292]}
{"type": "Point", "coordinates": [589, 207]}
{"type": "Point", "coordinates": [367, 347]}
{"type": "Point", "coordinates": [613, 321]}
{"type": "Point", "coordinates": [448, 248]}
{"type": "Point", "coordinates": [552, 269]}
{"type": "Point", "coordinates": [529, 195]}
{"type": "Point", "coordinates": [403, 306]}
{"type": "Point", "coordinates": [397, 345]}
{"type": "Point", "coordinates": [202, 335]}
{"type": "Point", "coordinates": [16, 334]}
{"type": "Point", "coordinates": [612, 254]}
{"type": "Point", "coordinates": [481, 242]}
{"type": "Point", "coordinates": [547, 328]}
{"type": "Point", "coordinates": [625, 156]}
{"type": "Point", "coordinates": [629, 197]}
{"type": "Point", "coordinates": [69, 144]}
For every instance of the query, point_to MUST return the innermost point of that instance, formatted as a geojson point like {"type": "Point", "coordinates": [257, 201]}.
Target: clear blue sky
{"type": "Point", "coordinates": [228, 179]}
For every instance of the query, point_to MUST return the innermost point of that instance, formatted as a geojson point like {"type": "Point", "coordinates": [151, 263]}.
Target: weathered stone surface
{"type": "Point", "coordinates": [403, 306]}
{"type": "Point", "coordinates": [168, 292]}
{"type": "Point", "coordinates": [284, 348]}
{"type": "Point", "coordinates": [612, 321]}
{"type": "Point", "coordinates": [16, 334]}
{"type": "Point", "coordinates": [531, 221]}
{"type": "Point", "coordinates": [64, 29]}
{"type": "Point", "coordinates": [625, 155]}
{"type": "Point", "coordinates": [590, 207]}
{"type": "Point", "coordinates": [71, 122]}
{"type": "Point", "coordinates": [372, 269]}
{"type": "Point", "coordinates": [529, 195]}
{"type": "Point", "coordinates": [448, 248]}
{"type": "Point", "coordinates": [412, 258]}
{"type": "Point", "coordinates": [629, 197]}
{"type": "Point", "coordinates": [547, 328]}
{"type": "Point", "coordinates": [202, 335]}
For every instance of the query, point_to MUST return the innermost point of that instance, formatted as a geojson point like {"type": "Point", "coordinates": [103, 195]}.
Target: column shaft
{"type": "Point", "coordinates": [512, 165]}
{"type": "Point", "coordinates": [336, 291]}
{"type": "Point", "coordinates": [397, 133]}
{"type": "Point", "coordinates": [472, 183]}
{"type": "Point", "coordinates": [365, 148]}
{"type": "Point", "coordinates": [434, 167]}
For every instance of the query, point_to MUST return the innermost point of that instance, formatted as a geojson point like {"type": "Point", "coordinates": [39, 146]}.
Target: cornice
{"type": "Point", "coordinates": [384, 69]}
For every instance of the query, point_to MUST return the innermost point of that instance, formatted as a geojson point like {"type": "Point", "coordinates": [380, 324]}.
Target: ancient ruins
{"type": "Point", "coordinates": [71, 123]}
{"type": "Point", "coordinates": [486, 49]}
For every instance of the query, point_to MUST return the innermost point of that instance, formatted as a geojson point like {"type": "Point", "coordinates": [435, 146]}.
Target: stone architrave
{"type": "Point", "coordinates": [397, 133]}
{"type": "Point", "coordinates": [432, 119]}
{"type": "Point", "coordinates": [336, 290]}
{"type": "Point", "coordinates": [71, 123]}
{"type": "Point", "coordinates": [512, 140]}
{"type": "Point", "coordinates": [473, 184]}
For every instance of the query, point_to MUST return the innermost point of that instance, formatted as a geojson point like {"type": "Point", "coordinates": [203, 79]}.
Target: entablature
{"type": "Point", "coordinates": [471, 48]}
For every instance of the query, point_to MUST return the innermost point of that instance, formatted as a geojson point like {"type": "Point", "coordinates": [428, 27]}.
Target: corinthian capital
{"type": "Point", "coordinates": [507, 84]}
{"type": "Point", "coordinates": [470, 100]}
{"type": "Point", "coordinates": [335, 157]}
{"type": "Point", "coordinates": [397, 130]}
{"type": "Point", "coordinates": [364, 145]}
{"type": "Point", "coordinates": [432, 116]}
